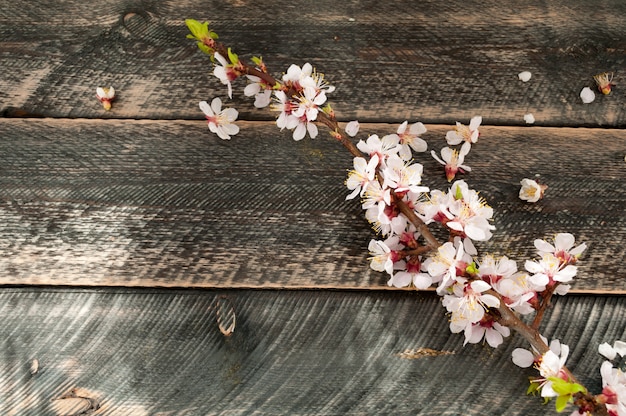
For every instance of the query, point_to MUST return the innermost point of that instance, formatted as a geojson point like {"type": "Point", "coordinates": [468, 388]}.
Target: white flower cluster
{"type": "Point", "coordinates": [387, 176]}
{"type": "Point", "coordinates": [298, 101]}
{"type": "Point", "coordinates": [614, 377]}
{"type": "Point", "coordinates": [299, 110]}
{"type": "Point", "coordinates": [556, 266]}
{"type": "Point", "coordinates": [550, 365]}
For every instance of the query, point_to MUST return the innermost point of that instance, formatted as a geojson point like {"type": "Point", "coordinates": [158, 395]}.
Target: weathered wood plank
{"type": "Point", "coordinates": [145, 352]}
{"type": "Point", "coordinates": [391, 60]}
{"type": "Point", "coordinates": [139, 203]}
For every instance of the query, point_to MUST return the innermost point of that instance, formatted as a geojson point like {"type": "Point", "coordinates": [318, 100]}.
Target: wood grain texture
{"type": "Point", "coordinates": [147, 352]}
{"type": "Point", "coordinates": [391, 60]}
{"type": "Point", "coordinates": [157, 203]}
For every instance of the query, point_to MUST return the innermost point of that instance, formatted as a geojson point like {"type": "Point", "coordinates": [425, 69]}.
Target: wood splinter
{"type": "Point", "coordinates": [75, 403]}
{"type": "Point", "coordinates": [412, 354]}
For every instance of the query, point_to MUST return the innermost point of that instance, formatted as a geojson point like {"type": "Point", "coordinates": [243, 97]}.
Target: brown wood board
{"type": "Point", "coordinates": [166, 203]}
{"type": "Point", "coordinates": [390, 60]}
{"type": "Point", "coordinates": [146, 352]}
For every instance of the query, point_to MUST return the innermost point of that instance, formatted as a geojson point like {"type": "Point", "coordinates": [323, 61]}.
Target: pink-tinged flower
{"type": "Point", "coordinates": [517, 292]}
{"type": "Point", "coordinates": [402, 176]}
{"type": "Point", "coordinates": [226, 73]}
{"type": "Point", "coordinates": [549, 270]}
{"type": "Point", "coordinates": [467, 135]}
{"type": "Point", "coordinates": [562, 248]}
{"type": "Point", "coordinates": [613, 389]}
{"type": "Point", "coordinates": [220, 121]}
{"type": "Point", "coordinates": [300, 78]}
{"type": "Point", "coordinates": [258, 89]}
{"type": "Point", "coordinates": [410, 139]}
{"type": "Point", "coordinates": [551, 365]}
{"type": "Point", "coordinates": [295, 75]}
{"type": "Point", "coordinates": [105, 96]}
{"type": "Point", "coordinates": [468, 304]}
{"type": "Point", "coordinates": [531, 191]}
{"type": "Point", "coordinates": [448, 265]}
{"type": "Point", "coordinates": [452, 161]}
{"type": "Point", "coordinates": [352, 128]}
{"type": "Point", "coordinates": [288, 119]}
{"type": "Point", "coordinates": [286, 107]}
{"type": "Point", "coordinates": [469, 213]}
{"type": "Point", "coordinates": [492, 270]}
{"type": "Point", "coordinates": [490, 330]}
{"type": "Point", "coordinates": [614, 378]}
{"type": "Point", "coordinates": [384, 254]}
{"type": "Point", "coordinates": [377, 205]}
{"type": "Point", "coordinates": [384, 147]}
{"type": "Point", "coordinates": [364, 172]}
{"type": "Point", "coordinates": [310, 102]}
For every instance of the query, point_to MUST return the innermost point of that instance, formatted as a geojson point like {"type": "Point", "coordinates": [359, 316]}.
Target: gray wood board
{"type": "Point", "coordinates": [390, 60]}
{"type": "Point", "coordinates": [147, 352]}
{"type": "Point", "coordinates": [166, 203]}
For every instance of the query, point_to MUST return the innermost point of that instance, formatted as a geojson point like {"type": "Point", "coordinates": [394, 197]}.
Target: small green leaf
{"type": "Point", "coordinates": [561, 403]}
{"type": "Point", "coordinates": [533, 388]}
{"type": "Point", "coordinates": [205, 48]}
{"type": "Point", "coordinates": [197, 29]}
{"type": "Point", "coordinates": [234, 59]}
{"type": "Point", "coordinates": [563, 387]}
{"type": "Point", "coordinates": [257, 60]}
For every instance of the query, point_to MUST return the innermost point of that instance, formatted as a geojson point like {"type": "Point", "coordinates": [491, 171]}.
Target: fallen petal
{"type": "Point", "coordinates": [587, 95]}
{"type": "Point", "coordinates": [529, 118]}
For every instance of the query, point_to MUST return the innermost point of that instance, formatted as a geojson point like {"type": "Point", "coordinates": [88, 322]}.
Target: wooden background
{"type": "Point", "coordinates": [126, 236]}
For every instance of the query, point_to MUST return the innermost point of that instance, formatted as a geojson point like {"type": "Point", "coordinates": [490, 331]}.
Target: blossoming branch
{"type": "Point", "coordinates": [485, 296]}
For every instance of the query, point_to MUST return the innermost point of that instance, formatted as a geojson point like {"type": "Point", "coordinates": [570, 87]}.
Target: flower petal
{"type": "Point", "coordinates": [523, 358]}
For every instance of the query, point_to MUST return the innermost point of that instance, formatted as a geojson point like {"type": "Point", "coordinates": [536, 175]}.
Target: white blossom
{"type": "Point", "coordinates": [105, 96]}
{"type": "Point", "coordinates": [452, 161]}
{"type": "Point", "coordinates": [360, 177]}
{"type": "Point", "coordinates": [220, 121]}
{"type": "Point", "coordinates": [467, 135]}
{"type": "Point", "coordinates": [562, 248]}
{"type": "Point", "coordinates": [411, 140]}
{"type": "Point", "coordinates": [531, 191]}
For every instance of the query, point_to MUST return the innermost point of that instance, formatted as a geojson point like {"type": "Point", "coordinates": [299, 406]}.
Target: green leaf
{"type": "Point", "coordinates": [197, 29]}
{"type": "Point", "coordinates": [533, 388]}
{"type": "Point", "coordinates": [205, 48]}
{"type": "Point", "coordinates": [561, 403]}
{"type": "Point", "coordinates": [234, 59]}
{"type": "Point", "coordinates": [563, 387]}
